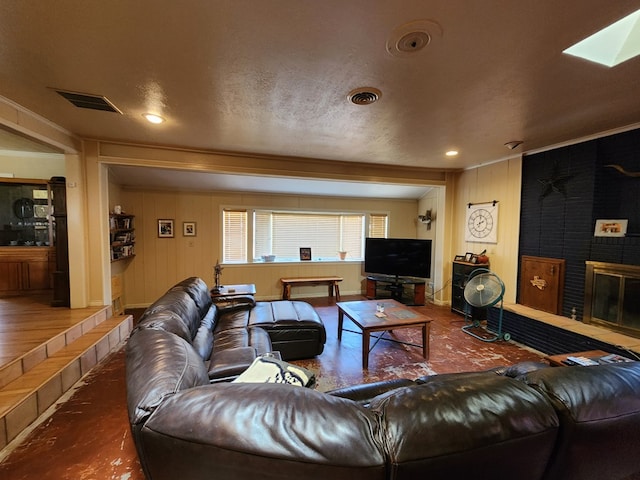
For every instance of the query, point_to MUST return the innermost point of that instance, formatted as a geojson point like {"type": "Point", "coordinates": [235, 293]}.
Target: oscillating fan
{"type": "Point", "coordinates": [484, 289]}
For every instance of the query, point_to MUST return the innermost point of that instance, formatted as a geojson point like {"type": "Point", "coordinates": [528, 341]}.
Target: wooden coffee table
{"type": "Point", "coordinates": [363, 314]}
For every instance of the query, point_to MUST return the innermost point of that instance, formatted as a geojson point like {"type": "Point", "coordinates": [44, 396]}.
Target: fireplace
{"type": "Point", "coordinates": [612, 297]}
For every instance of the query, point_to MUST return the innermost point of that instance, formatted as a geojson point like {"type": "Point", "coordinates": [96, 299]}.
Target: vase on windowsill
{"type": "Point", "coordinates": [342, 255]}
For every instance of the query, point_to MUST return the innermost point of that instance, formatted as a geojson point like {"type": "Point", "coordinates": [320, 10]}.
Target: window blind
{"type": "Point", "coordinates": [378, 225]}
{"type": "Point", "coordinates": [234, 235]}
{"type": "Point", "coordinates": [284, 233]}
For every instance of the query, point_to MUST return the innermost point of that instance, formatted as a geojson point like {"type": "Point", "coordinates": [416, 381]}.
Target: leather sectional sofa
{"type": "Point", "coordinates": [512, 423]}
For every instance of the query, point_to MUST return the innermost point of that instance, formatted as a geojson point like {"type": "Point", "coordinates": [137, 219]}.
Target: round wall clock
{"type": "Point", "coordinates": [23, 208]}
{"type": "Point", "coordinates": [482, 223]}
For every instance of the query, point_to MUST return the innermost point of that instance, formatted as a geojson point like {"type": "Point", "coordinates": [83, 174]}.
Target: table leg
{"type": "Point", "coordinates": [286, 291]}
{"type": "Point", "coordinates": [425, 340]}
{"type": "Point", "coordinates": [340, 321]}
{"type": "Point", "coordinates": [337, 288]}
{"type": "Point", "coordinates": [330, 286]}
{"type": "Point", "coordinates": [365, 349]}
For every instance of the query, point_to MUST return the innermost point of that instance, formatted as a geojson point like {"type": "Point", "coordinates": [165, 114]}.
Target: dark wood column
{"type": "Point", "coordinates": [61, 287]}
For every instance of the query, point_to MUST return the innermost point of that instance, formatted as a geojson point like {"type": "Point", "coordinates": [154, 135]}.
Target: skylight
{"type": "Point", "coordinates": [612, 45]}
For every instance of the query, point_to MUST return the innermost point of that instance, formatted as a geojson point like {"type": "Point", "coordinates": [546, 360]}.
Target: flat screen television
{"type": "Point", "coordinates": [400, 257]}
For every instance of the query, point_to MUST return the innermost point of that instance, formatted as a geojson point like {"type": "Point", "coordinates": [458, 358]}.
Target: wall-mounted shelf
{"type": "Point", "coordinates": [122, 236]}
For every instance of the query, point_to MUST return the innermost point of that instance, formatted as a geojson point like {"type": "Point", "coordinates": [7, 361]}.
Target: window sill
{"type": "Point", "coordinates": [288, 262]}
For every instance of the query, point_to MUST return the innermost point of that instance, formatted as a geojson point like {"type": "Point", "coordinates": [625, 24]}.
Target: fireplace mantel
{"type": "Point", "coordinates": [612, 297]}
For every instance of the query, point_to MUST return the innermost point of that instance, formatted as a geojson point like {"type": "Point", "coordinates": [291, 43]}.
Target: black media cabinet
{"type": "Point", "coordinates": [460, 275]}
{"type": "Point", "coordinates": [407, 290]}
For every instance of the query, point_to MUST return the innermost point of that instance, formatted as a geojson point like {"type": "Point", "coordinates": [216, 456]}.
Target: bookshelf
{"type": "Point", "coordinates": [122, 236]}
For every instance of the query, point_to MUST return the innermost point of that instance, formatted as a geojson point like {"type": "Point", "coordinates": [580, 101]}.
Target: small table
{"type": "Point", "coordinates": [397, 315]}
{"type": "Point", "coordinates": [234, 290]}
{"type": "Point", "coordinates": [331, 282]}
{"type": "Point", "coordinates": [558, 360]}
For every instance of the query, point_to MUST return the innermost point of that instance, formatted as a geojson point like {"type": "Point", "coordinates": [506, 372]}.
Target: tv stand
{"type": "Point", "coordinates": [408, 290]}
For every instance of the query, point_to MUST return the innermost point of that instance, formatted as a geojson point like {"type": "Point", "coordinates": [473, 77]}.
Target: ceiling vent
{"type": "Point", "coordinates": [412, 37]}
{"type": "Point", "coordinates": [364, 96]}
{"type": "Point", "coordinates": [86, 100]}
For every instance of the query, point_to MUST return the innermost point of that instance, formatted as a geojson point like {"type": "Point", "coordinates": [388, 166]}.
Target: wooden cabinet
{"type": "Point", "coordinates": [10, 276]}
{"type": "Point", "coordinates": [122, 236]}
{"type": "Point", "coordinates": [25, 270]}
{"type": "Point", "coordinates": [25, 212]}
{"type": "Point", "coordinates": [35, 274]}
{"type": "Point", "coordinates": [542, 283]}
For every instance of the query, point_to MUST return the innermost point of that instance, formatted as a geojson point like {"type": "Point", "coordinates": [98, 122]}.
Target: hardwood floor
{"type": "Point", "coordinates": [44, 351]}
{"type": "Point", "coordinates": [26, 323]}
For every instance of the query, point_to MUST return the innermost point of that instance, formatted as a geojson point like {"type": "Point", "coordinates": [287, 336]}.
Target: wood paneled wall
{"type": "Point", "coordinates": [497, 181]}
{"type": "Point", "coordinates": [161, 262]}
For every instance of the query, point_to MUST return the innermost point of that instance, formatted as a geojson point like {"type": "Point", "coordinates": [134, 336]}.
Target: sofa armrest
{"type": "Point", "coordinates": [231, 303]}
{"type": "Point", "coordinates": [229, 363]}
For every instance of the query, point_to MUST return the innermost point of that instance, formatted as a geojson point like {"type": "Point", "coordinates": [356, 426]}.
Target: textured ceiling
{"type": "Point", "coordinates": [272, 77]}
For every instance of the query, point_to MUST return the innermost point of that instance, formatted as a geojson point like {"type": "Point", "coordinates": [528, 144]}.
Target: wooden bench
{"type": "Point", "coordinates": [332, 283]}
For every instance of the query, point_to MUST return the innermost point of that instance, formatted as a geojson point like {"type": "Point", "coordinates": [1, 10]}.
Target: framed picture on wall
{"type": "Point", "coordinates": [189, 229]}
{"type": "Point", "coordinates": [305, 253]}
{"type": "Point", "coordinates": [610, 228]}
{"type": "Point", "coordinates": [165, 228]}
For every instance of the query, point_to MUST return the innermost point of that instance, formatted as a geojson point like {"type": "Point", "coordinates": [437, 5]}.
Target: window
{"type": "Point", "coordinates": [378, 225]}
{"type": "Point", "coordinates": [234, 234]}
{"type": "Point", "coordinates": [282, 233]}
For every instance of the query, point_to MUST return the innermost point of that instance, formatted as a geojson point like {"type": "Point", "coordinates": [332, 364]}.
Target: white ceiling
{"type": "Point", "coordinates": [272, 77]}
{"type": "Point", "coordinates": [203, 181]}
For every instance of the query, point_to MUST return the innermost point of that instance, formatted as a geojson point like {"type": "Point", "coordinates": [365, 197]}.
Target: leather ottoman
{"type": "Point", "coordinates": [295, 328]}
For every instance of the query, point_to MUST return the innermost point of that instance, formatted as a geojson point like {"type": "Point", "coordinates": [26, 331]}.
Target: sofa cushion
{"type": "Point", "coordinates": [159, 364]}
{"type": "Point", "coordinates": [597, 405]}
{"type": "Point", "coordinates": [180, 303]}
{"type": "Point", "coordinates": [168, 321]}
{"type": "Point", "coordinates": [226, 364]}
{"type": "Point", "coordinates": [203, 340]}
{"type": "Point", "coordinates": [242, 337]}
{"type": "Point", "coordinates": [259, 431]}
{"type": "Point", "coordinates": [480, 422]}
{"type": "Point", "coordinates": [230, 319]}
{"type": "Point", "coordinates": [198, 291]}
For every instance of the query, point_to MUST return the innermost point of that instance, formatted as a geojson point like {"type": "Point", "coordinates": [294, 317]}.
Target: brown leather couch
{"type": "Point", "coordinates": [515, 423]}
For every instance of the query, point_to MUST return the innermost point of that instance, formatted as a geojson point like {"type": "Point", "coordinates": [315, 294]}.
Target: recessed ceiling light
{"type": "Point", "coordinates": [452, 153]}
{"type": "Point", "coordinates": [612, 45]}
{"type": "Point", "coordinates": [153, 118]}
